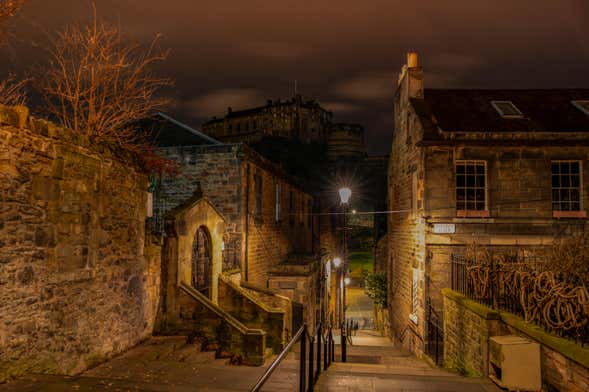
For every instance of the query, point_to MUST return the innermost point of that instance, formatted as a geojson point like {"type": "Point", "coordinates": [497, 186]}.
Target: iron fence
{"type": "Point", "coordinates": [525, 286]}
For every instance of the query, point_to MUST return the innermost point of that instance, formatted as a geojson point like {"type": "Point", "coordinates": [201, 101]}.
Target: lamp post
{"type": "Point", "coordinates": [345, 193]}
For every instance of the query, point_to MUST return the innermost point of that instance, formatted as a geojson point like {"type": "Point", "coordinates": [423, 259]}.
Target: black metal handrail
{"type": "Point", "coordinates": [304, 364]}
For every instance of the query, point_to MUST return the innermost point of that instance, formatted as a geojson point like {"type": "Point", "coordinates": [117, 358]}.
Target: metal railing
{"type": "Point", "coordinates": [310, 363]}
{"type": "Point", "coordinates": [525, 287]}
{"type": "Point", "coordinates": [434, 345]}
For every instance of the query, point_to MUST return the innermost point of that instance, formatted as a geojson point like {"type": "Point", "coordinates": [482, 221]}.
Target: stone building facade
{"type": "Point", "coordinates": [268, 217]}
{"type": "Point", "coordinates": [290, 119]}
{"type": "Point", "coordinates": [79, 277]}
{"type": "Point", "coordinates": [503, 168]}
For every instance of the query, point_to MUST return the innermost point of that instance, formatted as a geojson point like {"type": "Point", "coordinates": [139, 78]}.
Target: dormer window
{"type": "Point", "coordinates": [507, 109]}
{"type": "Point", "coordinates": [582, 106]}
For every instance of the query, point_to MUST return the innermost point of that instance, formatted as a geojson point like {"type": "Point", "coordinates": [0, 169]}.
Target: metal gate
{"type": "Point", "coordinates": [434, 345]}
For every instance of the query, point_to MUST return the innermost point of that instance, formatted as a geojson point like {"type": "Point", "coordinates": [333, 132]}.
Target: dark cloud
{"type": "Point", "coordinates": [345, 53]}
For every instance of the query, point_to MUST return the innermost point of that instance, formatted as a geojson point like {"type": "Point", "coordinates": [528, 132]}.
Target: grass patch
{"type": "Point", "coordinates": [360, 261]}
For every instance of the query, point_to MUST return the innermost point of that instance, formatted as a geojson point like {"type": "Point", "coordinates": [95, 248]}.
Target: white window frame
{"type": "Point", "coordinates": [581, 207]}
{"type": "Point", "coordinates": [578, 104]}
{"type": "Point", "coordinates": [495, 104]}
{"type": "Point", "coordinates": [466, 211]}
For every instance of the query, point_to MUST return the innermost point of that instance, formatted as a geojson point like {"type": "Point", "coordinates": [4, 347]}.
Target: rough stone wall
{"type": "Point", "coordinates": [217, 171]}
{"type": "Point", "coordinates": [469, 325]}
{"type": "Point", "coordinates": [406, 233]}
{"type": "Point", "coordinates": [381, 254]}
{"type": "Point", "coordinates": [466, 335]}
{"type": "Point", "coordinates": [78, 280]}
{"type": "Point", "coordinates": [301, 289]}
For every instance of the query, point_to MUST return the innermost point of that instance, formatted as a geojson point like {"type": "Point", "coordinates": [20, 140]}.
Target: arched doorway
{"type": "Point", "coordinates": [201, 261]}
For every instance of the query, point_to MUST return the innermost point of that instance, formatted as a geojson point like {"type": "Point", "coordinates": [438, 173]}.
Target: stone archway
{"type": "Point", "coordinates": [201, 261]}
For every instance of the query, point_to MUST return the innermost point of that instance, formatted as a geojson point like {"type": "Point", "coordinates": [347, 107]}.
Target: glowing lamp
{"type": "Point", "coordinates": [344, 194]}
{"type": "Point", "coordinates": [337, 262]}
{"type": "Point", "coordinates": [347, 281]}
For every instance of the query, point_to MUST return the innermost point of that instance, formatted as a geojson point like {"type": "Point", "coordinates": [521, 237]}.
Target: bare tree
{"type": "Point", "coordinates": [11, 89]}
{"type": "Point", "coordinates": [99, 84]}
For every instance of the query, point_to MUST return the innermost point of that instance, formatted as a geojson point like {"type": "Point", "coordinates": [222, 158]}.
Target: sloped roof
{"type": "Point", "coordinates": [166, 131]}
{"type": "Point", "coordinates": [463, 110]}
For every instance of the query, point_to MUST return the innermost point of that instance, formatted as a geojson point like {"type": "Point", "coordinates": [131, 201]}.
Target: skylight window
{"type": "Point", "coordinates": [507, 109]}
{"type": "Point", "coordinates": [582, 106]}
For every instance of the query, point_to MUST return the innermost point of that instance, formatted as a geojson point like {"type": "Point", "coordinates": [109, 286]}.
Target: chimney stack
{"type": "Point", "coordinates": [412, 60]}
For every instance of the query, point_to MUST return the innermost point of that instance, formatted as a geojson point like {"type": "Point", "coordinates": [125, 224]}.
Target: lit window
{"type": "Point", "coordinates": [471, 188]}
{"type": "Point", "coordinates": [566, 186]}
{"type": "Point", "coordinates": [582, 106]}
{"type": "Point", "coordinates": [507, 109]}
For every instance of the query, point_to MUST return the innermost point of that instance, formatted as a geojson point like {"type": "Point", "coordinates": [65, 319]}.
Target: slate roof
{"type": "Point", "coordinates": [166, 131]}
{"type": "Point", "coordinates": [464, 110]}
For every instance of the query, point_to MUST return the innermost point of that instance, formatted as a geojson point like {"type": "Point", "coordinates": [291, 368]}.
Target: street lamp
{"type": "Point", "coordinates": [337, 262]}
{"type": "Point", "coordinates": [344, 193]}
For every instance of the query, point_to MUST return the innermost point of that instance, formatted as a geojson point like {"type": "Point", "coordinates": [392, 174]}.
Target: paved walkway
{"type": "Point", "coordinates": [375, 365]}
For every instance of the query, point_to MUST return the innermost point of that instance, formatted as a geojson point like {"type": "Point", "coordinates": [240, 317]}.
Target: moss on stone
{"type": "Point", "coordinates": [566, 347]}
{"type": "Point", "coordinates": [480, 309]}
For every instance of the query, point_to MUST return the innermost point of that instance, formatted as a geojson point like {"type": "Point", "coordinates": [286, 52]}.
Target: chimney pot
{"type": "Point", "coordinates": [412, 60]}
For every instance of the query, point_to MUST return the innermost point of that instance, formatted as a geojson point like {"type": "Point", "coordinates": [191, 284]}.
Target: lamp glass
{"type": "Point", "coordinates": [347, 281]}
{"type": "Point", "coordinates": [345, 193]}
{"type": "Point", "coordinates": [337, 262]}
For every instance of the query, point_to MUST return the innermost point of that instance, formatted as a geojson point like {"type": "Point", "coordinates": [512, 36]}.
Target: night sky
{"type": "Point", "coordinates": [344, 53]}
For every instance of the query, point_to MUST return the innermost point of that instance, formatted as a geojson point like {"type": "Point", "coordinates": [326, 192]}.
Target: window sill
{"type": "Point", "coordinates": [569, 214]}
{"type": "Point", "coordinates": [473, 214]}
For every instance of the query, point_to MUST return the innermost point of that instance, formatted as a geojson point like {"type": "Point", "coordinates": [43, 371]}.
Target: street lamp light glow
{"type": "Point", "coordinates": [337, 262]}
{"type": "Point", "coordinates": [347, 280]}
{"type": "Point", "coordinates": [344, 194]}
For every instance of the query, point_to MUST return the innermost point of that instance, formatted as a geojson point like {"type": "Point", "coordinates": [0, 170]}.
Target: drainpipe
{"type": "Point", "coordinates": [247, 219]}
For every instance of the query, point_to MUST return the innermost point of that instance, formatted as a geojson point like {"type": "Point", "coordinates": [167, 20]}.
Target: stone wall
{"type": "Point", "coordinates": [270, 241]}
{"type": "Point", "coordinates": [78, 280]}
{"type": "Point", "coordinates": [216, 172]}
{"type": "Point", "coordinates": [406, 228]}
{"type": "Point", "coordinates": [253, 313]}
{"type": "Point", "coordinates": [469, 325]}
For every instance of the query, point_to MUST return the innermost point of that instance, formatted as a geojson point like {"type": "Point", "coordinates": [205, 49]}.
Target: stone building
{"type": "Point", "coordinates": [503, 168]}
{"type": "Point", "coordinates": [270, 239]}
{"type": "Point", "coordinates": [290, 119]}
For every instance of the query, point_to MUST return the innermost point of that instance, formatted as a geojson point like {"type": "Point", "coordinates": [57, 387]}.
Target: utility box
{"type": "Point", "coordinates": [514, 363]}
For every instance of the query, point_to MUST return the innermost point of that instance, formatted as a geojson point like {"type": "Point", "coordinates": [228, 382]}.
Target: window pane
{"type": "Point", "coordinates": [555, 181]}
{"type": "Point", "coordinates": [574, 167]}
{"type": "Point", "coordinates": [470, 205]}
{"type": "Point", "coordinates": [576, 206]}
{"type": "Point", "coordinates": [460, 169]}
{"type": "Point", "coordinates": [480, 195]}
{"type": "Point", "coordinates": [575, 181]}
{"type": "Point", "coordinates": [470, 169]}
{"type": "Point", "coordinates": [565, 181]}
{"type": "Point", "coordinates": [575, 195]}
{"type": "Point", "coordinates": [480, 181]}
{"type": "Point", "coordinates": [565, 168]}
{"type": "Point", "coordinates": [480, 205]}
{"type": "Point", "coordinates": [564, 195]}
{"type": "Point", "coordinates": [555, 168]}
{"type": "Point", "coordinates": [460, 181]}
{"type": "Point", "coordinates": [470, 181]}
